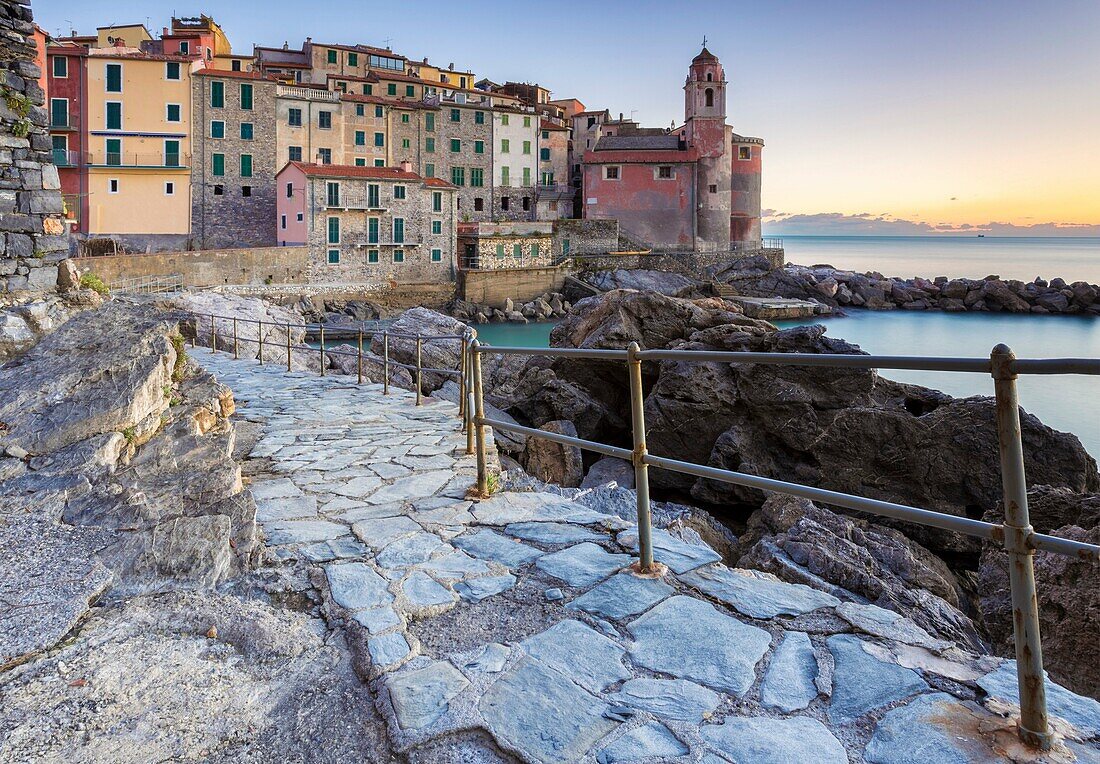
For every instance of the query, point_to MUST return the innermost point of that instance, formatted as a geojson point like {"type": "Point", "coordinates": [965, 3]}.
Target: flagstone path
{"type": "Point", "coordinates": [516, 616]}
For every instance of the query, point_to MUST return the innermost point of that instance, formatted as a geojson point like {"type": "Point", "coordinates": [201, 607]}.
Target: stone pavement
{"type": "Point", "coordinates": [514, 615]}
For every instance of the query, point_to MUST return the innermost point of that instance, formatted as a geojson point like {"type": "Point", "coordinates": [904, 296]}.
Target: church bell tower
{"type": "Point", "coordinates": [707, 134]}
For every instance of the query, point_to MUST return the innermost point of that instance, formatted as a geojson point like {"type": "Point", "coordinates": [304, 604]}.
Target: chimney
{"type": "Point", "coordinates": [286, 45]}
{"type": "Point", "coordinates": [620, 116]}
{"type": "Point", "coordinates": [120, 43]}
{"type": "Point", "coordinates": [451, 66]}
{"type": "Point", "coordinates": [406, 165]}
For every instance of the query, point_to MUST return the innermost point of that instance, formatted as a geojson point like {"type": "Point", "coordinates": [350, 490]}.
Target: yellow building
{"type": "Point", "coordinates": [138, 144]}
{"type": "Point", "coordinates": [130, 35]}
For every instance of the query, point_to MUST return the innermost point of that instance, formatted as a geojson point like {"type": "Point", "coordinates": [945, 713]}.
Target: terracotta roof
{"type": "Point", "coordinates": [592, 113]}
{"type": "Point", "coordinates": [704, 55]}
{"type": "Point", "coordinates": [368, 173]}
{"type": "Point", "coordinates": [207, 72]}
{"type": "Point", "coordinates": [638, 143]}
{"type": "Point", "coordinates": [391, 102]}
{"type": "Point", "coordinates": [137, 56]}
{"type": "Point", "coordinates": [545, 125]}
{"type": "Point", "coordinates": [381, 52]}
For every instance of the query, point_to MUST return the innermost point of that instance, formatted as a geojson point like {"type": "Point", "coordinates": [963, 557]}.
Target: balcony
{"type": "Point", "coordinates": [60, 123]}
{"type": "Point", "coordinates": [307, 94]}
{"type": "Point", "coordinates": [65, 158]}
{"type": "Point", "coordinates": [156, 161]}
{"type": "Point", "coordinates": [351, 202]}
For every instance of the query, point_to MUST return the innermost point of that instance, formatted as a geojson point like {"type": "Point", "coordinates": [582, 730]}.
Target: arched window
{"type": "Point", "coordinates": [708, 96]}
{"type": "Point", "coordinates": [710, 76]}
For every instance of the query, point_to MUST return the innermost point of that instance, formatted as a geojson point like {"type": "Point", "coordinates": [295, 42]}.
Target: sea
{"type": "Point", "coordinates": [1070, 403]}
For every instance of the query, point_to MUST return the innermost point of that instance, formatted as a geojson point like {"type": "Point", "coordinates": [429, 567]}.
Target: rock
{"type": "Point", "coordinates": [862, 683]}
{"type": "Point", "coordinates": [1083, 713]}
{"type": "Point", "coordinates": [666, 639]}
{"type": "Point", "coordinates": [609, 470]}
{"type": "Point", "coordinates": [921, 731]}
{"type": "Point", "coordinates": [661, 282]}
{"type": "Point", "coordinates": [582, 565]}
{"type": "Point", "coordinates": [477, 589]}
{"type": "Point", "coordinates": [68, 277]}
{"type": "Point", "coordinates": [420, 697]}
{"type": "Point", "coordinates": [554, 462]}
{"type": "Point", "coordinates": [435, 354]}
{"type": "Point", "coordinates": [675, 699]}
{"type": "Point", "coordinates": [647, 741]}
{"type": "Point", "coordinates": [763, 740]}
{"type": "Point", "coordinates": [490, 545]}
{"type": "Point", "coordinates": [586, 657]}
{"type": "Point", "coordinates": [803, 543]}
{"type": "Point", "coordinates": [344, 359]}
{"type": "Point", "coordinates": [622, 596]}
{"type": "Point", "coordinates": [552, 533]}
{"type": "Point", "coordinates": [888, 624]}
{"type": "Point", "coordinates": [679, 555]}
{"type": "Point", "coordinates": [249, 312]}
{"type": "Point", "coordinates": [755, 594]}
{"type": "Point", "coordinates": [791, 681]}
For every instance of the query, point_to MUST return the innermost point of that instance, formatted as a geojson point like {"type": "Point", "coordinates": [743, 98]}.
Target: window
{"type": "Point", "coordinates": [500, 251]}
{"type": "Point", "coordinates": [517, 251]}
{"type": "Point", "coordinates": [437, 255]}
{"type": "Point", "coordinates": [295, 153]}
{"type": "Point", "coordinates": [504, 119]}
{"type": "Point", "coordinates": [325, 155]}
{"type": "Point", "coordinates": [429, 145]}
{"type": "Point", "coordinates": [217, 128]}
{"type": "Point", "coordinates": [289, 190]}
{"type": "Point", "coordinates": [526, 121]}
{"type": "Point", "coordinates": [114, 115]}
{"type": "Point", "coordinates": [331, 56]}
{"type": "Point", "coordinates": [282, 222]}
{"type": "Point", "coordinates": [405, 119]}
{"type": "Point", "coordinates": [185, 47]}
{"type": "Point", "coordinates": [112, 186]}
{"type": "Point", "coordinates": [172, 153]}
{"type": "Point", "coordinates": [399, 256]}
{"type": "Point", "coordinates": [246, 190]}
{"type": "Point", "coordinates": [217, 164]}
{"type": "Point", "coordinates": [479, 147]}
{"type": "Point", "coordinates": [217, 94]}
{"type": "Point", "coordinates": [172, 112]}
{"type": "Point", "coordinates": [246, 165]}
{"type": "Point", "coordinates": [591, 121]}
{"type": "Point", "coordinates": [744, 152]}
{"type": "Point", "coordinates": [360, 111]}
{"type": "Point", "coordinates": [429, 122]}
{"type": "Point", "coordinates": [710, 76]}
{"type": "Point", "coordinates": [708, 97]}
{"type": "Point", "coordinates": [505, 146]}
{"type": "Point", "coordinates": [456, 145]}
{"type": "Point", "coordinates": [114, 78]}
{"type": "Point", "coordinates": [353, 59]}
{"type": "Point", "coordinates": [526, 203]}
{"type": "Point", "coordinates": [504, 203]}
{"type": "Point", "coordinates": [479, 118]}
{"type": "Point", "coordinates": [372, 196]}
{"type": "Point", "coordinates": [334, 257]}
{"type": "Point", "coordinates": [398, 192]}
{"type": "Point", "coordinates": [368, 90]}
{"type": "Point", "coordinates": [334, 230]}
{"type": "Point", "coordinates": [391, 89]}
{"type": "Point", "coordinates": [713, 188]}
{"type": "Point", "coordinates": [405, 143]}
{"type": "Point", "coordinates": [565, 246]}
{"type": "Point", "coordinates": [360, 138]}
{"type": "Point", "coordinates": [300, 217]}
{"type": "Point", "coordinates": [246, 131]}
{"type": "Point", "coordinates": [456, 115]}
{"type": "Point", "coordinates": [235, 65]}
{"type": "Point", "coordinates": [172, 70]}
{"type": "Point", "coordinates": [60, 149]}
{"type": "Point", "coordinates": [372, 255]}
{"type": "Point", "coordinates": [429, 170]}
{"type": "Point", "coordinates": [379, 112]}
{"type": "Point", "coordinates": [246, 96]}
{"type": "Point", "coordinates": [379, 139]}
{"type": "Point", "coordinates": [399, 230]}
{"type": "Point", "coordinates": [437, 201]}
{"type": "Point", "coordinates": [664, 171]}
{"type": "Point", "coordinates": [534, 251]}
{"type": "Point", "coordinates": [437, 227]}
{"type": "Point", "coordinates": [458, 176]}
{"type": "Point", "coordinates": [611, 172]}
{"type": "Point", "coordinates": [60, 66]}
{"type": "Point", "coordinates": [544, 155]}
{"type": "Point", "coordinates": [294, 117]}
{"type": "Point", "coordinates": [410, 91]}
{"type": "Point", "coordinates": [332, 194]}
{"type": "Point", "coordinates": [59, 112]}
{"type": "Point", "coordinates": [477, 177]}
{"type": "Point", "coordinates": [360, 161]}
{"type": "Point", "coordinates": [526, 177]}
{"type": "Point", "coordinates": [324, 120]}
{"type": "Point", "coordinates": [372, 230]}
{"type": "Point", "coordinates": [219, 189]}
{"type": "Point", "coordinates": [546, 135]}
{"type": "Point", "coordinates": [479, 204]}
{"type": "Point", "coordinates": [114, 151]}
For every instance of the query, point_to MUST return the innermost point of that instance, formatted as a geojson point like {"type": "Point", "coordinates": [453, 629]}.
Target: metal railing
{"type": "Point", "coordinates": [1015, 534]}
{"type": "Point", "coordinates": [171, 160]}
{"type": "Point", "coordinates": [147, 284]}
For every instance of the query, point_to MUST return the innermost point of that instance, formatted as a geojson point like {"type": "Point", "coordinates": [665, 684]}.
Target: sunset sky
{"type": "Point", "coordinates": [893, 117]}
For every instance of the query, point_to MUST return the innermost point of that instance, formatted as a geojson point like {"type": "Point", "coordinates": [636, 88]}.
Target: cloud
{"type": "Point", "coordinates": [865, 224]}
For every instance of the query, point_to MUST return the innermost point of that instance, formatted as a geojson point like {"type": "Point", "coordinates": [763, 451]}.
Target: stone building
{"type": "Point", "coordinates": [554, 195]}
{"type": "Point", "coordinates": [458, 141]}
{"type": "Point", "coordinates": [694, 188]}
{"type": "Point", "coordinates": [32, 239]}
{"type": "Point", "coordinates": [504, 245]}
{"type": "Point", "coordinates": [369, 224]}
{"type": "Point", "coordinates": [515, 163]}
{"type": "Point", "coordinates": [308, 125]}
{"type": "Point", "coordinates": [234, 159]}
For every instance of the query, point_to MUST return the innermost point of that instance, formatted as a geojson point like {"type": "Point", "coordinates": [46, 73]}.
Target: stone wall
{"type": "Point", "coordinates": [499, 252]}
{"type": "Point", "coordinates": [692, 264]}
{"type": "Point", "coordinates": [258, 265]}
{"type": "Point", "coordinates": [519, 284]}
{"type": "Point", "coordinates": [32, 239]}
{"type": "Point", "coordinates": [585, 236]}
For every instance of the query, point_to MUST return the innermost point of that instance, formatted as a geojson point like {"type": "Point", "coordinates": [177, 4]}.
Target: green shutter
{"type": "Point", "coordinates": [527, 147]}
{"type": "Point", "coordinates": [437, 201]}
{"type": "Point", "coordinates": [517, 251]}
{"type": "Point", "coordinates": [391, 89]}
{"type": "Point", "coordinates": [398, 192]}
{"type": "Point", "coordinates": [456, 145]}
{"type": "Point", "coordinates": [456, 115]}
{"type": "Point", "coordinates": [379, 139]}
{"type": "Point", "coordinates": [398, 230]}
{"type": "Point", "coordinates": [410, 91]}
{"type": "Point", "coordinates": [114, 151]}
{"type": "Point", "coordinates": [477, 177]}
{"type": "Point", "coordinates": [500, 251]}
{"type": "Point", "coordinates": [353, 59]}
{"type": "Point", "coordinates": [334, 230]}
{"type": "Point", "coordinates": [534, 251]}
{"type": "Point", "coordinates": [437, 255]}
{"type": "Point", "coordinates": [379, 112]}
{"type": "Point", "coordinates": [217, 129]}
{"type": "Point", "coordinates": [331, 56]}
{"type": "Point", "coordinates": [59, 112]}
{"type": "Point", "coordinates": [479, 147]}
{"type": "Point", "coordinates": [372, 255]}
{"type": "Point", "coordinates": [398, 256]}
{"type": "Point", "coordinates": [372, 230]}
{"type": "Point", "coordinates": [246, 96]}
{"type": "Point", "coordinates": [333, 257]}
{"type": "Point", "coordinates": [173, 112]}
{"type": "Point", "coordinates": [429, 170]}
{"type": "Point", "coordinates": [372, 196]}
{"type": "Point", "coordinates": [114, 115]}
{"type": "Point", "coordinates": [246, 165]}
{"type": "Point", "coordinates": [458, 176]}
{"type": "Point", "coordinates": [114, 78]}
{"type": "Point", "coordinates": [246, 131]}
{"type": "Point", "coordinates": [172, 70]}
{"type": "Point", "coordinates": [544, 155]}
{"type": "Point", "coordinates": [505, 146]}
{"type": "Point", "coordinates": [526, 176]}
{"type": "Point", "coordinates": [217, 95]}
{"type": "Point", "coordinates": [429, 121]}
{"type": "Point", "coordinates": [360, 138]}
{"type": "Point", "coordinates": [171, 153]}
{"type": "Point", "coordinates": [479, 117]}
{"type": "Point", "coordinates": [218, 164]}
{"type": "Point", "coordinates": [429, 145]}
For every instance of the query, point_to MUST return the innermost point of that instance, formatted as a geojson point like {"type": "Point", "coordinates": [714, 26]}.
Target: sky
{"type": "Point", "coordinates": [878, 117]}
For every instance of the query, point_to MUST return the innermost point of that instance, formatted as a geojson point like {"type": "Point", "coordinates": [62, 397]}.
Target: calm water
{"type": "Point", "coordinates": [1068, 403]}
{"type": "Point", "coordinates": [1073, 259]}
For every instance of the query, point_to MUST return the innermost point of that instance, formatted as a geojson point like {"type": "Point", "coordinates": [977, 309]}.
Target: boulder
{"type": "Point", "coordinates": [435, 354]}
{"type": "Point", "coordinates": [252, 317]}
{"type": "Point", "coordinates": [800, 542]}
{"type": "Point", "coordinates": [344, 359]}
{"type": "Point", "coordinates": [68, 277]}
{"type": "Point", "coordinates": [609, 470]}
{"type": "Point", "coordinates": [662, 282]}
{"type": "Point", "coordinates": [554, 462]}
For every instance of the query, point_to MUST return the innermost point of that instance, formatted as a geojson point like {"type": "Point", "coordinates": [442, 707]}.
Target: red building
{"type": "Point", "coordinates": [67, 88]}
{"type": "Point", "coordinates": [693, 188]}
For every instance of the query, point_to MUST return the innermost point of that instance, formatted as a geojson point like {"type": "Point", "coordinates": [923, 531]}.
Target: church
{"type": "Point", "coordinates": [689, 188]}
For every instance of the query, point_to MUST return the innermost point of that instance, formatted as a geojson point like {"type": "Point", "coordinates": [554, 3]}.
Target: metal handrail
{"type": "Point", "coordinates": [1016, 534]}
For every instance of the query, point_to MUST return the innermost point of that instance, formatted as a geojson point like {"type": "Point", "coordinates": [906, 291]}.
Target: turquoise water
{"type": "Point", "coordinates": [1074, 259]}
{"type": "Point", "coordinates": [1069, 403]}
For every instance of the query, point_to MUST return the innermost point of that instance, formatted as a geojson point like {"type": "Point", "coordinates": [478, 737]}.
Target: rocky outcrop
{"type": "Point", "coordinates": [336, 313]}
{"type": "Point", "coordinates": [661, 282]}
{"type": "Point", "coordinates": [755, 277]}
{"type": "Point", "coordinates": [434, 354]}
{"type": "Point", "coordinates": [554, 462]}
{"type": "Point", "coordinates": [802, 543]}
{"type": "Point", "coordinates": [345, 359]}
{"type": "Point", "coordinates": [1068, 590]}
{"type": "Point", "coordinates": [545, 307]}
{"type": "Point", "coordinates": [27, 317]}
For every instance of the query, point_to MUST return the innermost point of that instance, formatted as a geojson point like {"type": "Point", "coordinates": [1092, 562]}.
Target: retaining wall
{"type": "Point", "coordinates": [520, 284]}
{"type": "Point", "coordinates": [692, 264]}
{"type": "Point", "coordinates": [210, 267]}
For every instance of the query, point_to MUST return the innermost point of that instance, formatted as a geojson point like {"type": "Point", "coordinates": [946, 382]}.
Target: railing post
{"type": "Point", "coordinates": [213, 335]}
{"type": "Point", "coordinates": [322, 350]}
{"type": "Point", "coordinates": [462, 378]}
{"type": "Point", "coordinates": [641, 469]}
{"type": "Point", "coordinates": [288, 347]}
{"type": "Point", "coordinates": [260, 339]}
{"type": "Point", "coordinates": [359, 360]}
{"type": "Point", "coordinates": [1033, 727]}
{"type": "Point", "coordinates": [236, 345]}
{"type": "Point", "coordinates": [470, 393]}
{"type": "Point", "coordinates": [479, 415]}
{"type": "Point", "coordinates": [418, 393]}
{"type": "Point", "coordinates": [385, 363]}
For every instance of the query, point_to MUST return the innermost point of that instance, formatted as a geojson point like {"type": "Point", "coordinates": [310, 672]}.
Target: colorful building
{"type": "Point", "coordinates": [695, 188]}
{"type": "Point", "coordinates": [67, 94]}
{"type": "Point", "coordinates": [515, 163]}
{"type": "Point", "coordinates": [369, 224]}
{"type": "Point", "coordinates": [554, 195]}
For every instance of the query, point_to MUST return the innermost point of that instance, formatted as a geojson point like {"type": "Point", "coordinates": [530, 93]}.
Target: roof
{"type": "Point", "coordinates": [135, 55]}
{"type": "Point", "coordinates": [704, 55]}
{"type": "Point", "coordinates": [592, 113]}
{"type": "Point", "coordinates": [547, 125]}
{"type": "Point", "coordinates": [393, 103]}
{"type": "Point", "coordinates": [208, 72]}
{"type": "Point", "coordinates": [638, 143]}
{"type": "Point", "coordinates": [365, 173]}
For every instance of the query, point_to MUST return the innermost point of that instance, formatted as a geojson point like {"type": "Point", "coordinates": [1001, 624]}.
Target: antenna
{"type": "Point", "coordinates": [704, 41]}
